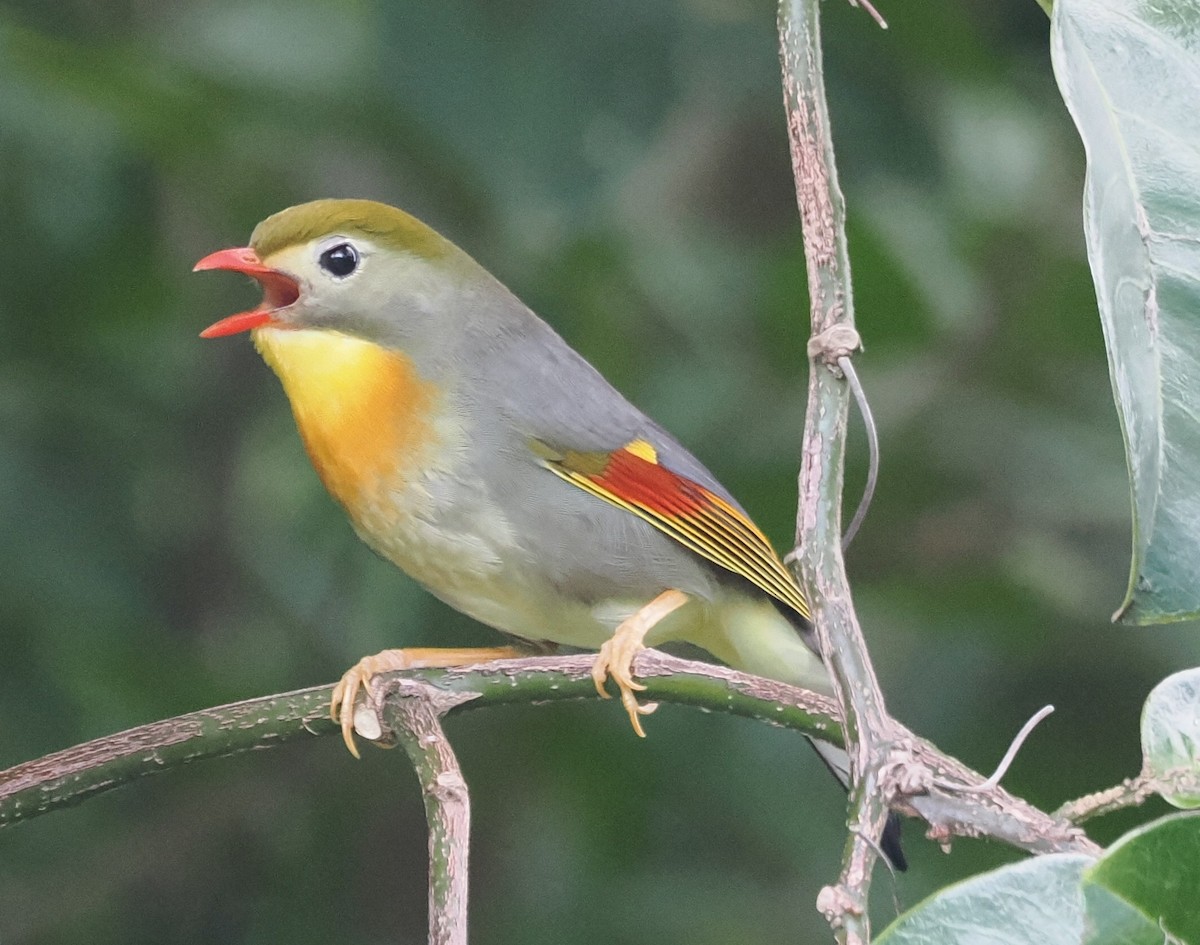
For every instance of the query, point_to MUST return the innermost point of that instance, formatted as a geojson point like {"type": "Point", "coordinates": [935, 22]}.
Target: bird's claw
{"type": "Point", "coordinates": [355, 680]}
{"type": "Point", "coordinates": [615, 659]}
{"type": "Point", "coordinates": [361, 718]}
{"type": "Point", "coordinates": [616, 656]}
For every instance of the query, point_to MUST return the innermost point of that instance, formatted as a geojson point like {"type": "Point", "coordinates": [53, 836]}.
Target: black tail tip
{"type": "Point", "coordinates": [890, 842]}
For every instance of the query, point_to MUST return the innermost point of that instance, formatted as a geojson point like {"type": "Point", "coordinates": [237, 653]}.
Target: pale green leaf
{"type": "Point", "coordinates": [1129, 71]}
{"type": "Point", "coordinates": [1110, 920]}
{"type": "Point", "coordinates": [1171, 738]}
{"type": "Point", "coordinates": [1034, 902]}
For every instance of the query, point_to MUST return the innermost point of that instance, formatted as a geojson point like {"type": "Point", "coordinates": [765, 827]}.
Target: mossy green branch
{"type": "Point", "coordinates": [73, 775]}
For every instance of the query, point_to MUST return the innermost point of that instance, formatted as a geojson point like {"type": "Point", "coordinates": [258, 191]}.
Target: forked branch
{"type": "Point", "coordinates": [888, 766]}
{"type": "Point", "coordinates": [876, 751]}
{"type": "Point", "coordinates": [71, 776]}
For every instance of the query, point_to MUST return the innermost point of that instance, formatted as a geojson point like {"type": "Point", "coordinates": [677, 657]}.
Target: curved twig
{"type": "Point", "coordinates": [864, 409]}
{"type": "Point", "coordinates": [1007, 760]}
{"type": "Point", "coordinates": [871, 11]}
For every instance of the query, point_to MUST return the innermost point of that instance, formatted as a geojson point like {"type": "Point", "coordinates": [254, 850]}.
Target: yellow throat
{"type": "Point", "coordinates": [363, 412]}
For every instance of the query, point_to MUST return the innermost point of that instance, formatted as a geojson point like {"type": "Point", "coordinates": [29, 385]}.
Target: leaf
{"type": "Point", "coordinates": [1034, 902]}
{"type": "Point", "coordinates": [1129, 71]}
{"type": "Point", "coordinates": [1144, 891]}
{"type": "Point", "coordinates": [1110, 920]}
{"type": "Point", "coordinates": [1154, 874]}
{"type": "Point", "coordinates": [1171, 738]}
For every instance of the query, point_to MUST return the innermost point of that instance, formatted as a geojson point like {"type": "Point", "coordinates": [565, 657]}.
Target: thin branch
{"type": "Point", "coordinates": [71, 776]}
{"type": "Point", "coordinates": [1002, 768]}
{"type": "Point", "coordinates": [415, 709]}
{"type": "Point", "coordinates": [1129, 793]}
{"type": "Point", "coordinates": [818, 527]}
{"type": "Point", "coordinates": [871, 12]}
{"type": "Point", "coordinates": [889, 766]}
{"type": "Point", "coordinates": [1177, 782]}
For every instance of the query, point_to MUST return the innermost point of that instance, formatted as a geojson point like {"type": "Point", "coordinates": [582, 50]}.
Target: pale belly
{"type": "Point", "coordinates": [472, 559]}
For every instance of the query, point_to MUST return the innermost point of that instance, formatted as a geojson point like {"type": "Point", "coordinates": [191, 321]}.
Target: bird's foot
{"type": "Point", "coordinates": [358, 677]}
{"type": "Point", "coordinates": [616, 656]}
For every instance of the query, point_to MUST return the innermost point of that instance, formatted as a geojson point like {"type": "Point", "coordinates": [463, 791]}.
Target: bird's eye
{"type": "Point", "coordinates": [340, 260]}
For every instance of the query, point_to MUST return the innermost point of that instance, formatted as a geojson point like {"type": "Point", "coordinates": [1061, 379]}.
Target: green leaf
{"type": "Point", "coordinates": [1034, 902]}
{"type": "Point", "coordinates": [1152, 875]}
{"type": "Point", "coordinates": [1171, 738]}
{"type": "Point", "coordinates": [1110, 920]}
{"type": "Point", "coordinates": [1129, 71]}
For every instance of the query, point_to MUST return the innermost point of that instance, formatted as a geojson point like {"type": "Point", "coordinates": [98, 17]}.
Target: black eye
{"type": "Point", "coordinates": [340, 260]}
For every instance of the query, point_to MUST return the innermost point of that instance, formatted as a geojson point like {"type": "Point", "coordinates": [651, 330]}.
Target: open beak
{"type": "Point", "coordinates": [279, 290]}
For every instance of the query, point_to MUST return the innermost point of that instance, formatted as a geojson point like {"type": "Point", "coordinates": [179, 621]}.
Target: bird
{"type": "Point", "coordinates": [473, 448]}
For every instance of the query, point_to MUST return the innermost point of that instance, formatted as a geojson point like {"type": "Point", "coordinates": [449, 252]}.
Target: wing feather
{"type": "Point", "coordinates": [632, 478]}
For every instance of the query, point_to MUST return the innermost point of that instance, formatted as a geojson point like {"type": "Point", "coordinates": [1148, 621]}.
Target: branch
{"type": "Point", "coordinates": [415, 710]}
{"type": "Point", "coordinates": [872, 741]}
{"type": "Point", "coordinates": [1132, 792]}
{"type": "Point", "coordinates": [889, 765]}
{"type": "Point", "coordinates": [874, 14]}
{"type": "Point", "coordinates": [71, 776]}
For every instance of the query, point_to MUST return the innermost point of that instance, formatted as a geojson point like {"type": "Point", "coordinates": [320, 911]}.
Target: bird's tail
{"type": "Point", "coordinates": [775, 641]}
{"type": "Point", "coordinates": [838, 763]}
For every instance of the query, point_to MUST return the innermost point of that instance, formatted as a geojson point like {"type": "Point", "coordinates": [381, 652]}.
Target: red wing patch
{"type": "Point", "coordinates": [701, 521]}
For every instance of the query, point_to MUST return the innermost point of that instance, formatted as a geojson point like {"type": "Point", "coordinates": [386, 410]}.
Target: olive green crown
{"type": "Point", "coordinates": [376, 221]}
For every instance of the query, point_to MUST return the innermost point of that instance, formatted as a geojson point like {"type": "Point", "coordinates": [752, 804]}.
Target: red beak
{"type": "Point", "coordinates": [279, 290]}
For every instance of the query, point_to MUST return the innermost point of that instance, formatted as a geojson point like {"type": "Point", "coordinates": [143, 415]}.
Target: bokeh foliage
{"type": "Point", "coordinates": [622, 166]}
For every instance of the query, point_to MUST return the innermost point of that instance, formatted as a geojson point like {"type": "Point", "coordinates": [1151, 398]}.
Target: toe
{"type": "Point", "coordinates": [341, 704]}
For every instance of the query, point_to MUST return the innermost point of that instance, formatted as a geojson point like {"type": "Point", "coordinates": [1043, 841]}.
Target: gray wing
{"type": "Point", "coordinates": [534, 387]}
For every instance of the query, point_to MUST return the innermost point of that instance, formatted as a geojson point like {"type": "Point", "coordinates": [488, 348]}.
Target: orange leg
{"type": "Point", "coordinates": [616, 655]}
{"type": "Point", "coordinates": [341, 706]}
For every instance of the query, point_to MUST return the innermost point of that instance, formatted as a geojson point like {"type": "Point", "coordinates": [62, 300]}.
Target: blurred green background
{"type": "Point", "coordinates": [164, 545]}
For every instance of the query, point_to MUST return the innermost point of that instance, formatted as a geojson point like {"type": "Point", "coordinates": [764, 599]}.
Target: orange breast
{"type": "Point", "coordinates": [365, 415]}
